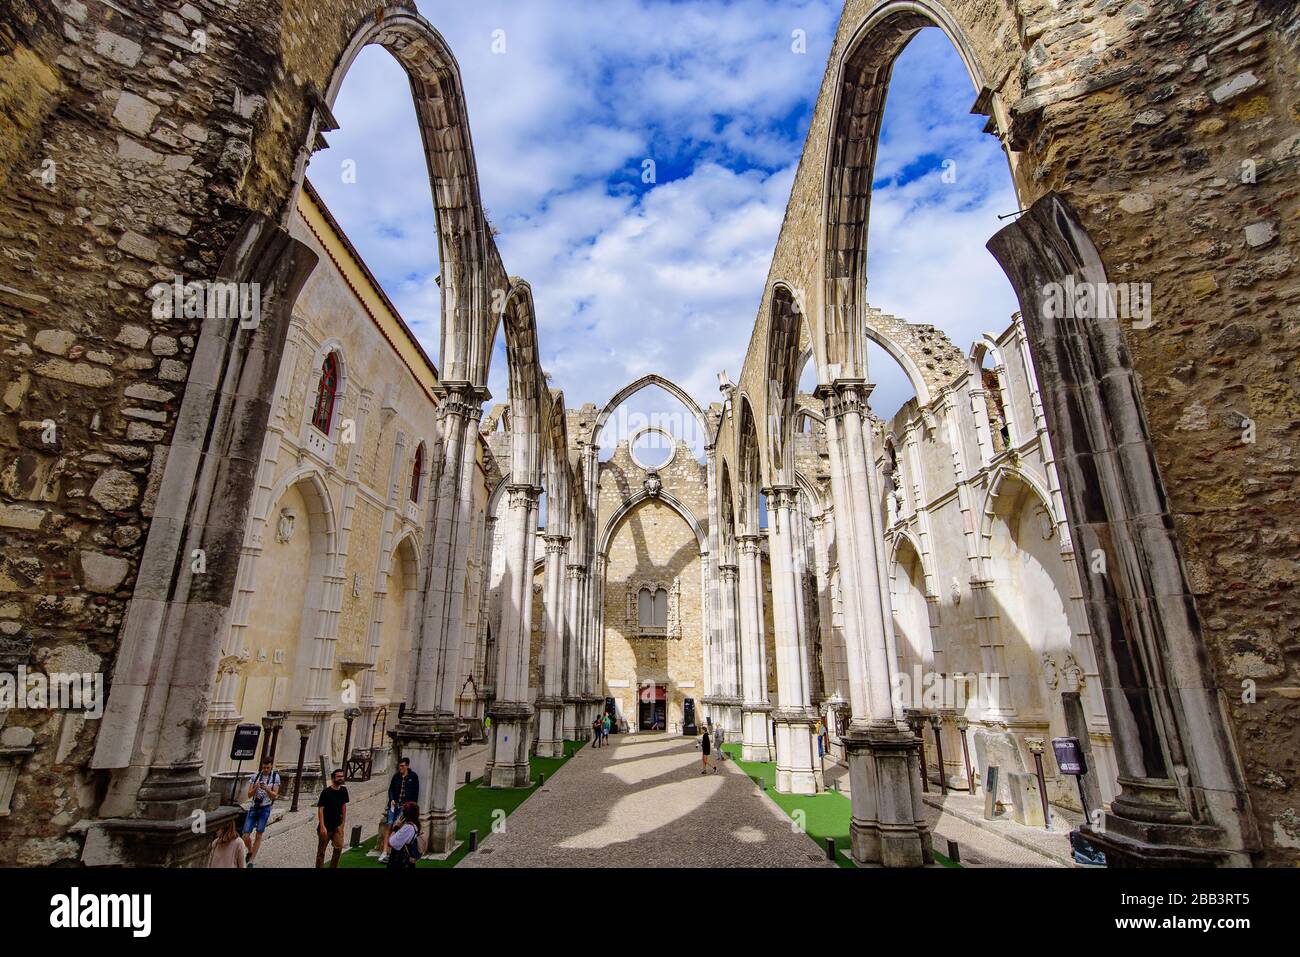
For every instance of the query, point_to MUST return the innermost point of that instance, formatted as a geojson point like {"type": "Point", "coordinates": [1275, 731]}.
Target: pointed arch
{"type": "Point", "coordinates": [860, 84]}
{"type": "Point", "coordinates": [784, 329]}
{"type": "Point", "coordinates": [667, 498]}
{"type": "Point", "coordinates": [653, 379]}
{"type": "Point", "coordinates": [470, 264]}
{"type": "Point", "coordinates": [989, 510]}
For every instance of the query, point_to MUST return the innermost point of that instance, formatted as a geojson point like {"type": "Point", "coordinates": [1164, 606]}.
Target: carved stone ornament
{"type": "Point", "coordinates": [284, 528]}
{"type": "Point", "coordinates": [652, 484]}
{"type": "Point", "coordinates": [229, 664]}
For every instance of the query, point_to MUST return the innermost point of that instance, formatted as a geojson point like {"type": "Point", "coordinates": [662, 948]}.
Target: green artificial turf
{"type": "Point", "coordinates": [828, 814]}
{"type": "Point", "coordinates": [475, 805]}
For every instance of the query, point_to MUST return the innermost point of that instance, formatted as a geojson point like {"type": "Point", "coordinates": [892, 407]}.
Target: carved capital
{"type": "Point", "coordinates": [845, 397]}
{"type": "Point", "coordinates": [556, 544]}
{"type": "Point", "coordinates": [781, 496]}
{"type": "Point", "coordinates": [522, 495]}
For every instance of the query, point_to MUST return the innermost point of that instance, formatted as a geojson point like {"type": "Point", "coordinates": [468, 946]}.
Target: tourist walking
{"type": "Point", "coordinates": [705, 748]}
{"type": "Point", "coordinates": [227, 849]}
{"type": "Point", "coordinates": [263, 789]}
{"type": "Point", "coordinates": [331, 818]}
{"type": "Point", "coordinates": [404, 786]}
{"type": "Point", "coordinates": [595, 733]}
{"type": "Point", "coordinates": [604, 730]}
{"type": "Point", "coordinates": [404, 843]}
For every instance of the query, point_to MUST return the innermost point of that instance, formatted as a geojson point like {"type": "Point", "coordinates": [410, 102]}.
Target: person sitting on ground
{"type": "Point", "coordinates": [404, 842]}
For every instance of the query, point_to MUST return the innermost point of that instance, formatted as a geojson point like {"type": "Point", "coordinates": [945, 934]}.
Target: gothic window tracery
{"type": "Point", "coordinates": [653, 609]}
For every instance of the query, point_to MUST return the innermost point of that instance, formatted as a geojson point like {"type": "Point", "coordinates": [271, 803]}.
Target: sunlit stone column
{"type": "Point", "coordinates": [511, 712]}
{"type": "Point", "coordinates": [572, 650]}
{"type": "Point", "coordinates": [550, 706]}
{"type": "Point", "coordinates": [728, 633]}
{"type": "Point", "coordinates": [887, 826]}
{"type": "Point", "coordinates": [798, 770]}
{"type": "Point", "coordinates": [427, 733]}
{"type": "Point", "coordinates": [756, 736]}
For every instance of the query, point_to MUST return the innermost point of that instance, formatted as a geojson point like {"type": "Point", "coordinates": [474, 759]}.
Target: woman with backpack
{"type": "Point", "coordinates": [404, 842]}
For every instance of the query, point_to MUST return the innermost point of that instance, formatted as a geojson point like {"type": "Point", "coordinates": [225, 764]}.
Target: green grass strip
{"type": "Point", "coordinates": [474, 807]}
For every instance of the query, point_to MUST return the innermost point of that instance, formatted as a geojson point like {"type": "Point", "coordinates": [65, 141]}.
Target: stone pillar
{"type": "Point", "coordinates": [427, 733]}
{"type": "Point", "coordinates": [798, 770]}
{"type": "Point", "coordinates": [512, 714]}
{"type": "Point", "coordinates": [550, 706]}
{"type": "Point", "coordinates": [756, 737]}
{"type": "Point", "coordinates": [728, 632]}
{"type": "Point", "coordinates": [573, 635]}
{"type": "Point", "coordinates": [151, 735]}
{"type": "Point", "coordinates": [887, 826]}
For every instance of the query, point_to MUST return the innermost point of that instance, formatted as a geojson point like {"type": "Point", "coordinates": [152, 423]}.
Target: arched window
{"type": "Point", "coordinates": [652, 609]}
{"type": "Point", "coordinates": [417, 472]}
{"type": "Point", "coordinates": [326, 392]}
{"type": "Point", "coordinates": [999, 428]}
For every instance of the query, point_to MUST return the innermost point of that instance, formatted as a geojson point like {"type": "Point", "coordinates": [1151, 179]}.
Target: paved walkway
{"type": "Point", "coordinates": [642, 802]}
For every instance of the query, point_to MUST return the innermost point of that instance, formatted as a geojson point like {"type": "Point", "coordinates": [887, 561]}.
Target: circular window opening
{"type": "Point", "coordinates": [652, 448]}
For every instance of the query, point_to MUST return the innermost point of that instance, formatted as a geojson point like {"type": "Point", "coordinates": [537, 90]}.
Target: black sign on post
{"type": "Point", "coordinates": [244, 746]}
{"type": "Point", "coordinates": [1069, 756]}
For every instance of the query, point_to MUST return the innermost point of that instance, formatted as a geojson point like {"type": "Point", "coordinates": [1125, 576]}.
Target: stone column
{"type": "Point", "coordinates": [573, 635]}
{"type": "Point", "coordinates": [427, 733]}
{"type": "Point", "coordinates": [594, 618]}
{"type": "Point", "coordinates": [550, 706]}
{"type": "Point", "coordinates": [798, 770]}
{"type": "Point", "coordinates": [887, 825]}
{"type": "Point", "coordinates": [756, 737]}
{"type": "Point", "coordinates": [151, 735]}
{"type": "Point", "coordinates": [512, 714]}
{"type": "Point", "coordinates": [728, 632]}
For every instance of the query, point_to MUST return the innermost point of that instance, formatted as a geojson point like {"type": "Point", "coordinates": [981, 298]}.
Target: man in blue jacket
{"type": "Point", "coordinates": [404, 786]}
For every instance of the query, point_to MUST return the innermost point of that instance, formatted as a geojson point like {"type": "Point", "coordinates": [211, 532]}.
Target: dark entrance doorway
{"type": "Point", "coordinates": [652, 707]}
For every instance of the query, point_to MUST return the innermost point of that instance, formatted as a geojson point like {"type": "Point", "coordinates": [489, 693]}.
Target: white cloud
{"type": "Point", "coordinates": [630, 277]}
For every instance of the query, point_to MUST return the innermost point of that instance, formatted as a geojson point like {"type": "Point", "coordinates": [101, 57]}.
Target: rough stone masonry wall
{"type": "Point", "coordinates": [160, 141]}
{"type": "Point", "coordinates": [1173, 130]}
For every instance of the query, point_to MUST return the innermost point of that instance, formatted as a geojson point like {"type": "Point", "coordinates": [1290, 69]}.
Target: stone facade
{"type": "Point", "coordinates": [1166, 135]}
{"type": "Point", "coordinates": [1149, 144]}
{"type": "Point", "coordinates": [653, 545]}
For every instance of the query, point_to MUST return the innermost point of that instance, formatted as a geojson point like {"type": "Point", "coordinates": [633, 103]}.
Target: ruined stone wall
{"type": "Point", "coordinates": [653, 542]}
{"type": "Point", "coordinates": [1173, 130]}
{"type": "Point", "coordinates": [135, 139]}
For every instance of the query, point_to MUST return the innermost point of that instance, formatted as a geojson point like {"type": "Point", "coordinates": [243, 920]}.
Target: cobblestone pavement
{"type": "Point", "coordinates": [642, 802]}
{"type": "Point", "coordinates": [290, 839]}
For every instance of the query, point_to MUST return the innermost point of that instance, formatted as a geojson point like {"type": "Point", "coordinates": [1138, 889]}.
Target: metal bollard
{"type": "Point", "coordinates": [356, 836]}
{"type": "Point", "coordinates": [473, 841]}
{"type": "Point", "coordinates": [467, 777]}
{"type": "Point", "coordinates": [954, 851]}
{"type": "Point", "coordinates": [830, 848]}
{"type": "Point", "coordinates": [541, 779]}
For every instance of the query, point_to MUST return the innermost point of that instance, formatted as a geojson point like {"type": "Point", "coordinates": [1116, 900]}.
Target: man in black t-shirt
{"type": "Point", "coordinates": [331, 818]}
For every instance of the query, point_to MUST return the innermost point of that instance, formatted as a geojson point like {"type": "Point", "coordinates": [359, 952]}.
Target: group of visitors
{"type": "Point", "coordinates": [600, 730]}
{"type": "Point", "coordinates": [398, 838]}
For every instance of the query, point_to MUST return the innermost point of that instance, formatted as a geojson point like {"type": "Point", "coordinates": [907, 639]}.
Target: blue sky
{"type": "Point", "coordinates": [633, 277]}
